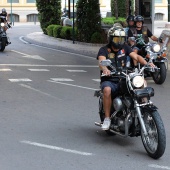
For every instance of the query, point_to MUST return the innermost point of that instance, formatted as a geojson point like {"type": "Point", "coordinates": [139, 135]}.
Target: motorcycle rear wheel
{"type": "Point", "coordinates": [155, 142]}
{"type": "Point", "coordinates": [160, 75]}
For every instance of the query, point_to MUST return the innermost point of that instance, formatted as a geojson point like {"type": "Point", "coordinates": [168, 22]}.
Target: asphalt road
{"type": "Point", "coordinates": [48, 112]}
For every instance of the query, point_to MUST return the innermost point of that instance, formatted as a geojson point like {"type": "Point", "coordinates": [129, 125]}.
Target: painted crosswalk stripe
{"type": "Point", "coordinates": [98, 80]}
{"type": "Point", "coordinates": [20, 80]}
{"type": "Point", "coordinates": [38, 70]}
{"type": "Point", "coordinates": [5, 69]}
{"type": "Point", "coordinates": [61, 79]}
{"type": "Point", "coordinates": [79, 71]}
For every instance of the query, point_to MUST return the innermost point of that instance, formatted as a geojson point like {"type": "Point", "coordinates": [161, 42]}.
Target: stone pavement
{"type": "Point", "coordinates": [87, 49]}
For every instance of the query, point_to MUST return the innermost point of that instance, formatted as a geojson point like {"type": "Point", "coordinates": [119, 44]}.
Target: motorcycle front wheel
{"type": "Point", "coordinates": [160, 75]}
{"type": "Point", "coordinates": [155, 142]}
{"type": "Point", "coordinates": [3, 44]}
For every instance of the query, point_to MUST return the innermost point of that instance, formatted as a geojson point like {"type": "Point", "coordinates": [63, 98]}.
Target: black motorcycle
{"type": "Point", "coordinates": [4, 40]}
{"type": "Point", "coordinates": [133, 113]}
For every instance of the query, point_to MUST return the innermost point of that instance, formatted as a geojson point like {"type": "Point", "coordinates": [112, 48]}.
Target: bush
{"type": "Point", "coordinates": [66, 32]}
{"type": "Point", "coordinates": [97, 38]}
{"type": "Point", "coordinates": [49, 30]}
{"type": "Point", "coordinates": [57, 31]}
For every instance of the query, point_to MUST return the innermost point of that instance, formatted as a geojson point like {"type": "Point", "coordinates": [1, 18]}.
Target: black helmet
{"type": "Point", "coordinates": [139, 18]}
{"type": "Point", "coordinates": [130, 18]}
{"type": "Point", "coordinates": [116, 36]}
{"type": "Point", "coordinates": [3, 10]}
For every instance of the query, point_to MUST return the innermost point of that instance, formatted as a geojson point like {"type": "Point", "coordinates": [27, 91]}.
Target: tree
{"type": "Point", "coordinates": [88, 20]}
{"type": "Point", "coordinates": [49, 13]}
{"type": "Point", "coordinates": [120, 8]}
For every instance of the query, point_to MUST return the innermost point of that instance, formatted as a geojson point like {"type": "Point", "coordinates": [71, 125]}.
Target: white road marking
{"type": "Point", "coordinates": [38, 69]}
{"type": "Point", "coordinates": [31, 88]}
{"type": "Point", "coordinates": [5, 69]}
{"type": "Point", "coordinates": [19, 52]}
{"type": "Point", "coordinates": [57, 148]}
{"type": "Point", "coordinates": [159, 167]}
{"type": "Point", "coordinates": [19, 80]}
{"type": "Point", "coordinates": [61, 79]}
{"type": "Point", "coordinates": [79, 71]}
{"type": "Point", "coordinates": [37, 57]}
{"type": "Point", "coordinates": [34, 65]}
{"type": "Point", "coordinates": [98, 80]}
{"type": "Point", "coordinates": [21, 39]}
{"type": "Point", "coordinates": [72, 85]}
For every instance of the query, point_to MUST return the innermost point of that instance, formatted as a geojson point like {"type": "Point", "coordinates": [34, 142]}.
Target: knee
{"type": "Point", "coordinates": [107, 91]}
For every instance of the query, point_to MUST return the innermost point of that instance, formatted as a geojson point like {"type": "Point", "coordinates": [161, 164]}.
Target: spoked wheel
{"type": "Point", "coordinates": [159, 76]}
{"type": "Point", "coordinates": [155, 142]}
{"type": "Point", "coordinates": [102, 115]}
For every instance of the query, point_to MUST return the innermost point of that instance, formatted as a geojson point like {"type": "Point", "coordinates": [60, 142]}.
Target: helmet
{"type": "Point", "coordinates": [116, 36]}
{"type": "Point", "coordinates": [3, 10]}
{"type": "Point", "coordinates": [130, 18]}
{"type": "Point", "coordinates": [139, 18]}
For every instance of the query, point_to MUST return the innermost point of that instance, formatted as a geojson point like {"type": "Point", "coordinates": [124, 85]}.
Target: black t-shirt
{"type": "Point", "coordinates": [118, 59]}
{"type": "Point", "coordinates": [139, 34]}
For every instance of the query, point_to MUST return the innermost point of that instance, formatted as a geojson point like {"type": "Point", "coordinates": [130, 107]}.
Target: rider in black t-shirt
{"type": "Point", "coordinates": [117, 51]}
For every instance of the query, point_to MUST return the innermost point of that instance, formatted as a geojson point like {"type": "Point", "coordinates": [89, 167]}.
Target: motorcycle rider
{"type": "Point", "coordinates": [117, 51]}
{"type": "Point", "coordinates": [140, 31]}
{"type": "Point", "coordinates": [4, 14]}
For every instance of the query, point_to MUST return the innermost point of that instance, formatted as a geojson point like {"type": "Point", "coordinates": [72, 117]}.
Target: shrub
{"type": "Point", "coordinates": [57, 31]}
{"type": "Point", "coordinates": [66, 32]}
{"type": "Point", "coordinates": [50, 30]}
{"type": "Point", "coordinates": [97, 38]}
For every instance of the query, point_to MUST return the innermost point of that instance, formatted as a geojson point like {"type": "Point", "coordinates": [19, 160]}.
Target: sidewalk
{"type": "Point", "coordinates": [81, 48]}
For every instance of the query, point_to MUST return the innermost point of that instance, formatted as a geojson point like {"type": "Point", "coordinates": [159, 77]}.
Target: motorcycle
{"type": "Point", "coordinates": [4, 40]}
{"type": "Point", "coordinates": [133, 113]}
{"type": "Point", "coordinates": [157, 54]}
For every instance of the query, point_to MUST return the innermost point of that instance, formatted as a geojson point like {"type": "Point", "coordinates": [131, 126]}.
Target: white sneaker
{"type": "Point", "coordinates": [106, 123]}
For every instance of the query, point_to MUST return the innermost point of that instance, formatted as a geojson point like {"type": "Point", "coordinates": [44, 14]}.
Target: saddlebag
{"type": "Point", "coordinates": [145, 92]}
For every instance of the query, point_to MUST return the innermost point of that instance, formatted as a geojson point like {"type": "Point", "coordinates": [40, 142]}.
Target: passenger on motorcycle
{"type": "Point", "coordinates": [117, 51]}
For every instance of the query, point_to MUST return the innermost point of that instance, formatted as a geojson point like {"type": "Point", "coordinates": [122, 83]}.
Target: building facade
{"type": "Point", "coordinates": [26, 11]}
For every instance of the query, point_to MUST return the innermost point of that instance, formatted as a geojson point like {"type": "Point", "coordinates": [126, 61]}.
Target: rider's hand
{"type": "Point", "coordinates": [106, 72]}
{"type": "Point", "coordinates": [152, 65]}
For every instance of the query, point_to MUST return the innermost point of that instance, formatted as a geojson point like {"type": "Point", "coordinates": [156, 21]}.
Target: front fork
{"type": "Point", "coordinates": [139, 114]}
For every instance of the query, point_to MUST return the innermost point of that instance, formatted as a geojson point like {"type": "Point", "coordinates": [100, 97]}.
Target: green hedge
{"type": "Point", "coordinates": [66, 32]}
{"type": "Point", "coordinates": [97, 38]}
{"type": "Point", "coordinates": [49, 30]}
{"type": "Point", "coordinates": [57, 31]}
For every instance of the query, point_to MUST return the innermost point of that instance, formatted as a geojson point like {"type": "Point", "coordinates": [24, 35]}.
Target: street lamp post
{"type": "Point", "coordinates": [73, 22]}
{"type": "Point", "coordinates": [11, 11]}
{"type": "Point", "coordinates": [168, 10]}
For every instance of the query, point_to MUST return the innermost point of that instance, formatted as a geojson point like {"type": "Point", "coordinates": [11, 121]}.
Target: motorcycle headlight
{"type": "Point", "coordinates": [138, 81]}
{"type": "Point", "coordinates": [156, 48]}
{"type": "Point", "coordinates": [2, 24]}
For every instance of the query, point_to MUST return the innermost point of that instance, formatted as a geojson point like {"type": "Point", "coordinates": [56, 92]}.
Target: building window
{"type": "Point", "coordinates": [158, 1]}
{"type": "Point", "coordinates": [30, 1]}
{"type": "Point", "coordinates": [13, 1]}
